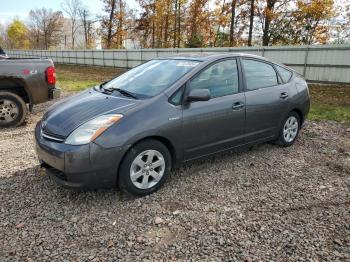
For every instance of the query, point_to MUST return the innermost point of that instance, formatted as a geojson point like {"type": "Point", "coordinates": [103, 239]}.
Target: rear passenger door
{"type": "Point", "coordinates": [266, 99]}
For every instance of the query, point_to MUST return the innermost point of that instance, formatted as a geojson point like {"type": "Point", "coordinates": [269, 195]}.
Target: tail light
{"type": "Point", "coordinates": [51, 75]}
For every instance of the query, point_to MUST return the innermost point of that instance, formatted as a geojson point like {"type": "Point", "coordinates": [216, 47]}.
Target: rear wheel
{"type": "Point", "coordinates": [13, 109]}
{"type": "Point", "coordinates": [144, 168]}
{"type": "Point", "coordinates": [289, 130]}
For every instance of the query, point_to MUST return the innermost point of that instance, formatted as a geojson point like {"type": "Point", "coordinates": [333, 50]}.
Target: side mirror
{"type": "Point", "coordinates": [198, 95]}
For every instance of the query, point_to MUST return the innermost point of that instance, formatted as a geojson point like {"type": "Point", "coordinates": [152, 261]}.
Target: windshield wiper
{"type": "Point", "coordinates": [124, 92]}
{"type": "Point", "coordinates": [101, 85]}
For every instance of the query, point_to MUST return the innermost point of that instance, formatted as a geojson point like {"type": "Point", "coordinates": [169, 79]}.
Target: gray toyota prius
{"type": "Point", "coordinates": [132, 130]}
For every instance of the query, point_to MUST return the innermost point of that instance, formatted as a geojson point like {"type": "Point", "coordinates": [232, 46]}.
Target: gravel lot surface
{"type": "Point", "coordinates": [265, 203]}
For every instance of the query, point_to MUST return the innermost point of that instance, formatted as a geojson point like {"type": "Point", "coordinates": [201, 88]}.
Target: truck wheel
{"type": "Point", "coordinates": [13, 109]}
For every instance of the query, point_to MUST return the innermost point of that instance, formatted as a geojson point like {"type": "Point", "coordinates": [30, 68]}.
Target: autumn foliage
{"type": "Point", "coordinates": [188, 23]}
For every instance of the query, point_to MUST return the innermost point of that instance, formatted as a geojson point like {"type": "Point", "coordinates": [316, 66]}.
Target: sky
{"type": "Point", "coordinates": [10, 9]}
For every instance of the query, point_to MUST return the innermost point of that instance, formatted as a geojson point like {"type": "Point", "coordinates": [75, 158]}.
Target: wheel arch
{"type": "Point", "coordinates": [18, 86]}
{"type": "Point", "coordinates": [165, 141]}
{"type": "Point", "coordinates": [300, 114]}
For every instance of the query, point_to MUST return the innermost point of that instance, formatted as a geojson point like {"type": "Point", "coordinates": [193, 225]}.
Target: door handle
{"type": "Point", "coordinates": [284, 95]}
{"type": "Point", "coordinates": [237, 106]}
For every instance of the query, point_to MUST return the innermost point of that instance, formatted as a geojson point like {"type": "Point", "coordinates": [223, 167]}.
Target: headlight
{"type": "Point", "coordinates": [92, 129]}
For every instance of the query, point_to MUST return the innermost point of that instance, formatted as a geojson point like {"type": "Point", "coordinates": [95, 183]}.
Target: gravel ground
{"type": "Point", "coordinates": [268, 203]}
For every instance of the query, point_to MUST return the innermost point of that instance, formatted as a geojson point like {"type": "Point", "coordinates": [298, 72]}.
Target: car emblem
{"type": "Point", "coordinates": [43, 124]}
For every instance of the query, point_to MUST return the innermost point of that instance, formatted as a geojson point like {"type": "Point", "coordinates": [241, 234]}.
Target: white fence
{"type": "Point", "coordinates": [316, 63]}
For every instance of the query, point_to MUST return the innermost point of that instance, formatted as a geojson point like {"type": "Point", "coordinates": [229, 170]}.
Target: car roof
{"type": "Point", "coordinates": [201, 56]}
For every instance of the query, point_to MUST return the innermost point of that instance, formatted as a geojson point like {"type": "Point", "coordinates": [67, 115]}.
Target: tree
{"type": "Point", "coordinates": [4, 39]}
{"type": "Point", "coordinates": [274, 19]}
{"type": "Point", "coordinates": [232, 24]}
{"type": "Point", "coordinates": [197, 23]}
{"type": "Point", "coordinates": [268, 17]}
{"type": "Point", "coordinates": [145, 25]}
{"type": "Point", "coordinates": [251, 22]}
{"type": "Point", "coordinates": [71, 8]}
{"type": "Point", "coordinates": [310, 21]}
{"type": "Point", "coordinates": [161, 22]}
{"type": "Point", "coordinates": [220, 21]}
{"type": "Point", "coordinates": [231, 20]}
{"type": "Point", "coordinates": [116, 23]}
{"type": "Point", "coordinates": [87, 23]}
{"type": "Point", "coordinates": [17, 33]}
{"type": "Point", "coordinates": [45, 27]}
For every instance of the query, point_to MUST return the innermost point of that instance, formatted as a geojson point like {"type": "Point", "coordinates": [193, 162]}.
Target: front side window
{"type": "Point", "coordinates": [258, 74]}
{"type": "Point", "coordinates": [177, 97]}
{"type": "Point", "coordinates": [284, 73]}
{"type": "Point", "coordinates": [153, 77]}
{"type": "Point", "coordinates": [220, 79]}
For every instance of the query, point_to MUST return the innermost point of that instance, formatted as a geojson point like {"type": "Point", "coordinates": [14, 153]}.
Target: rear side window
{"type": "Point", "coordinates": [284, 73]}
{"type": "Point", "coordinates": [221, 79]}
{"type": "Point", "coordinates": [258, 74]}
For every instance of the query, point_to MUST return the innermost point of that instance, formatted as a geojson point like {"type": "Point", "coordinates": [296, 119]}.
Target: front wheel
{"type": "Point", "coordinates": [289, 130]}
{"type": "Point", "coordinates": [13, 109]}
{"type": "Point", "coordinates": [144, 168]}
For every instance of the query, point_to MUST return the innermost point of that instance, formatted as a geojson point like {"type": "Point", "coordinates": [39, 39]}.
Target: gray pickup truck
{"type": "Point", "coordinates": [24, 82]}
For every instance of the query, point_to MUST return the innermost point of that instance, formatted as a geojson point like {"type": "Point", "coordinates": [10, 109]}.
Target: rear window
{"type": "Point", "coordinates": [284, 73]}
{"type": "Point", "coordinates": [258, 74]}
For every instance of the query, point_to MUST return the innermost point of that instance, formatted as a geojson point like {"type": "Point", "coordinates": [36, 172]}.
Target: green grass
{"type": "Point", "coordinates": [328, 102]}
{"type": "Point", "coordinates": [77, 78]}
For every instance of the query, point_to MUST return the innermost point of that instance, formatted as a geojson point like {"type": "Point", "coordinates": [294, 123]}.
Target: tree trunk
{"type": "Point", "coordinates": [166, 28]}
{"type": "Point", "coordinates": [110, 25]}
{"type": "Point", "coordinates": [120, 25]}
{"type": "Point", "coordinates": [175, 22]}
{"type": "Point", "coordinates": [251, 22]}
{"type": "Point", "coordinates": [85, 24]}
{"type": "Point", "coordinates": [153, 33]}
{"type": "Point", "coordinates": [153, 25]}
{"type": "Point", "coordinates": [179, 24]}
{"type": "Point", "coordinates": [73, 35]}
{"type": "Point", "coordinates": [270, 4]}
{"type": "Point", "coordinates": [233, 14]}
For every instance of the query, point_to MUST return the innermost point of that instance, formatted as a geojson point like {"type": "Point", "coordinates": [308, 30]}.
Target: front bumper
{"type": "Point", "coordinates": [54, 93]}
{"type": "Point", "coordinates": [84, 167]}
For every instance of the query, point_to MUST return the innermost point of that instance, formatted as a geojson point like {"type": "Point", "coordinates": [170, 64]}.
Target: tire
{"type": "Point", "coordinates": [13, 109]}
{"type": "Point", "coordinates": [140, 174]}
{"type": "Point", "coordinates": [289, 130]}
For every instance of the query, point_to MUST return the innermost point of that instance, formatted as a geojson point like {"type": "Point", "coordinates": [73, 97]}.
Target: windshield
{"type": "Point", "coordinates": [153, 77]}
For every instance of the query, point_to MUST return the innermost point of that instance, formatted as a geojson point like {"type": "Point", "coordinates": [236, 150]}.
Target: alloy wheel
{"type": "Point", "coordinates": [290, 129]}
{"type": "Point", "coordinates": [147, 169]}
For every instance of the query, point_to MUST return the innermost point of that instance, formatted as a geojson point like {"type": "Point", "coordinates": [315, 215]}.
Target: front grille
{"type": "Point", "coordinates": [52, 137]}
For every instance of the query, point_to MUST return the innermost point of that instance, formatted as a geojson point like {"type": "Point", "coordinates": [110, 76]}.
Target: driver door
{"type": "Point", "coordinates": [217, 124]}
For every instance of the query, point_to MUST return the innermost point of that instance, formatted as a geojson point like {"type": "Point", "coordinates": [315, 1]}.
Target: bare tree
{"type": "Point", "coordinates": [46, 27]}
{"type": "Point", "coordinates": [71, 8]}
{"type": "Point", "coordinates": [87, 23]}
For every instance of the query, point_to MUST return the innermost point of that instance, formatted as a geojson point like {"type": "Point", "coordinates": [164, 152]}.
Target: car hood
{"type": "Point", "coordinates": [65, 116]}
